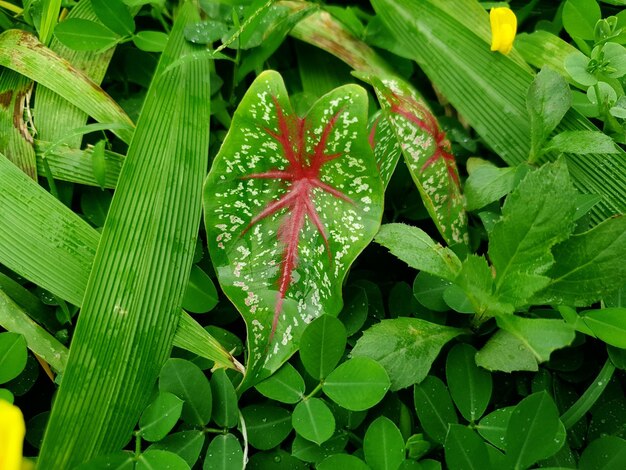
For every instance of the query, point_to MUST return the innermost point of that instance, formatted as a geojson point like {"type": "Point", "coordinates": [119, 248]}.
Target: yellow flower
{"type": "Point", "coordinates": [503, 29]}
{"type": "Point", "coordinates": [12, 430]}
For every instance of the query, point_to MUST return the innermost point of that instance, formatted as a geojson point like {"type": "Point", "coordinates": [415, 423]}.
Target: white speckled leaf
{"type": "Point", "coordinates": [428, 156]}
{"type": "Point", "coordinates": [289, 204]}
{"type": "Point", "coordinates": [385, 144]}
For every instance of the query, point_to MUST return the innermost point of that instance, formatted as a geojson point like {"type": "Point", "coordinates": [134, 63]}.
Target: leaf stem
{"type": "Point", "coordinates": [315, 391]}
{"type": "Point", "coordinates": [589, 398]}
{"type": "Point", "coordinates": [9, 6]}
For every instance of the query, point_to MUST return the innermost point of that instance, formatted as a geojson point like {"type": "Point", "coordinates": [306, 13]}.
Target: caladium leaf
{"type": "Point", "coordinates": [385, 146]}
{"type": "Point", "coordinates": [289, 204]}
{"type": "Point", "coordinates": [428, 156]}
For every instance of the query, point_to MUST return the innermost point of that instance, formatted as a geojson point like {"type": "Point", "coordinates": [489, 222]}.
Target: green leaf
{"type": "Point", "coordinates": [489, 89]}
{"type": "Point", "coordinates": [185, 380]}
{"type": "Point", "coordinates": [224, 453]}
{"type": "Point", "coordinates": [606, 453]}
{"type": "Point", "coordinates": [429, 289]}
{"type": "Point", "coordinates": [225, 410]}
{"type": "Point", "coordinates": [588, 266]}
{"type": "Point", "coordinates": [493, 426]}
{"type": "Point", "coordinates": [383, 445]}
{"type": "Point", "coordinates": [115, 16]}
{"type": "Point", "coordinates": [607, 324]}
{"type": "Point", "coordinates": [150, 41]}
{"type": "Point", "coordinates": [160, 416]}
{"type": "Point", "coordinates": [434, 408]}
{"type": "Point", "coordinates": [465, 450]}
{"type": "Point", "coordinates": [533, 431]}
{"type": "Point", "coordinates": [386, 146]}
{"type": "Point", "coordinates": [200, 295]}
{"type": "Point", "coordinates": [487, 184]}
{"type": "Point", "coordinates": [549, 98]}
{"type": "Point", "coordinates": [85, 35]}
{"type": "Point", "coordinates": [13, 355]}
{"type": "Point", "coordinates": [122, 460]}
{"type": "Point", "coordinates": [266, 425]}
{"type": "Point", "coordinates": [313, 420]}
{"type": "Point", "coordinates": [581, 142]}
{"type": "Point", "coordinates": [355, 309]}
{"type": "Point", "coordinates": [469, 385]}
{"type": "Point", "coordinates": [507, 353]}
{"type": "Point", "coordinates": [576, 65]}
{"type": "Point", "coordinates": [285, 385]}
{"type": "Point", "coordinates": [322, 345]}
{"type": "Point", "coordinates": [152, 459]}
{"type": "Point", "coordinates": [401, 341]}
{"type": "Point", "coordinates": [22, 53]}
{"type": "Point", "coordinates": [357, 384]}
{"type": "Point", "coordinates": [580, 17]}
{"type": "Point", "coordinates": [280, 248]}
{"type": "Point", "coordinates": [344, 461]}
{"type": "Point", "coordinates": [520, 243]}
{"type": "Point", "coordinates": [308, 451]}
{"type": "Point", "coordinates": [99, 164]}
{"type": "Point", "coordinates": [413, 246]}
{"type": "Point", "coordinates": [186, 444]}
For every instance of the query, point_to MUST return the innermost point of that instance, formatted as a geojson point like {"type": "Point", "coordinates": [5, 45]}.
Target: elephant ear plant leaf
{"type": "Point", "coordinates": [290, 202]}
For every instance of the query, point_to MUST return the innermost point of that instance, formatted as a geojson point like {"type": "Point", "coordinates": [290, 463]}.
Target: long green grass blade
{"type": "Point", "coordinates": [54, 115]}
{"type": "Point", "coordinates": [50, 13]}
{"type": "Point", "coordinates": [448, 41]}
{"type": "Point", "coordinates": [15, 138]}
{"type": "Point", "coordinates": [39, 341]}
{"type": "Point", "coordinates": [23, 53]}
{"type": "Point", "coordinates": [131, 307]}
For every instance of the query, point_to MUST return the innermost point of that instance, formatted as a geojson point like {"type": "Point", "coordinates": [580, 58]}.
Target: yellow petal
{"type": "Point", "coordinates": [503, 29]}
{"type": "Point", "coordinates": [12, 430]}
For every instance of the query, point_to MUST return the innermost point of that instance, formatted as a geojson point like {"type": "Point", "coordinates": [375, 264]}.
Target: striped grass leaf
{"type": "Point", "coordinates": [22, 52]}
{"type": "Point", "coordinates": [50, 10]}
{"type": "Point", "coordinates": [289, 203]}
{"type": "Point", "coordinates": [54, 115]}
{"type": "Point", "coordinates": [450, 42]}
{"type": "Point", "coordinates": [15, 319]}
{"type": "Point", "coordinates": [131, 307]}
{"type": "Point", "coordinates": [45, 242]}
{"type": "Point", "coordinates": [16, 142]}
{"type": "Point", "coordinates": [426, 149]}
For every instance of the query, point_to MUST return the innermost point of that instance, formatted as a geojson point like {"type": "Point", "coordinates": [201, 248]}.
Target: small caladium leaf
{"type": "Point", "coordinates": [428, 156]}
{"type": "Point", "coordinates": [385, 146]}
{"type": "Point", "coordinates": [289, 203]}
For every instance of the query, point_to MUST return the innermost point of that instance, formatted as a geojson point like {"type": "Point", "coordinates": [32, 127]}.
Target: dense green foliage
{"type": "Point", "coordinates": [290, 234]}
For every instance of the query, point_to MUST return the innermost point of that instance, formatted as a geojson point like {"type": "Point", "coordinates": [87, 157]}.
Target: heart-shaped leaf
{"type": "Point", "coordinates": [289, 203]}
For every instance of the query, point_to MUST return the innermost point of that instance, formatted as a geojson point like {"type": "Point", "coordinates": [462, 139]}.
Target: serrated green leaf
{"type": "Point", "coordinates": [280, 248]}
{"type": "Point", "coordinates": [588, 265]}
{"type": "Point", "coordinates": [401, 341]}
{"type": "Point", "coordinates": [470, 386]}
{"type": "Point", "coordinates": [85, 35]}
{"type": "Point", "coordinates": [313, 420]}
{"type": "Point", "coordinates": [434, 408]}
{"type": "Point", "coordinates": [413, 246]}
{"type": "Point", "coordinates": [520, 243]}
{"type": "Point", "coordinates": [549, 98]}
{"type": "Point", "coordinates": [122, 313]}
{"type": "Point", "coordinates": [383, 445]}
{"type": "Point", "coordinates": [507, 353]}
{"type": "Point", "coordinates": [357, 384]}
{"type": "Point", "coordinates": [581, 142]}
{"type": "Point", "coordinates": [487, 184]}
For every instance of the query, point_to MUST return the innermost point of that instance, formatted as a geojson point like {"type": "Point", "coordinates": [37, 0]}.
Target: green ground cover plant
{"type": "Point", "coordinates": [288, 234]}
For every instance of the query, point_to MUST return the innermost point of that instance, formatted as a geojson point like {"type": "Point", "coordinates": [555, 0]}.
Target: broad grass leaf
{"type": "Point", "coordinates": [383, 445]}
{"type": "Point", "coordinates": [434, 407]}
{"type": "Point", "coordinates": [533, 431]}
{"type": "Point", "coordinates": [224, 453]}
{"type": "Point", "coordinates": [469, 385]}
{"type": "Point", "coordinates": [413, 246]}
{"type": "Point", "coordinates": [313, 420]}
{"type": "Point", "coordinates": [401, 341]}
{"type": "Point", "coordinates": [281, 243]}
{"type": "Point", "coordinates": [357, 384]}
{"type": "Point", "coordinates": [465, 450]}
